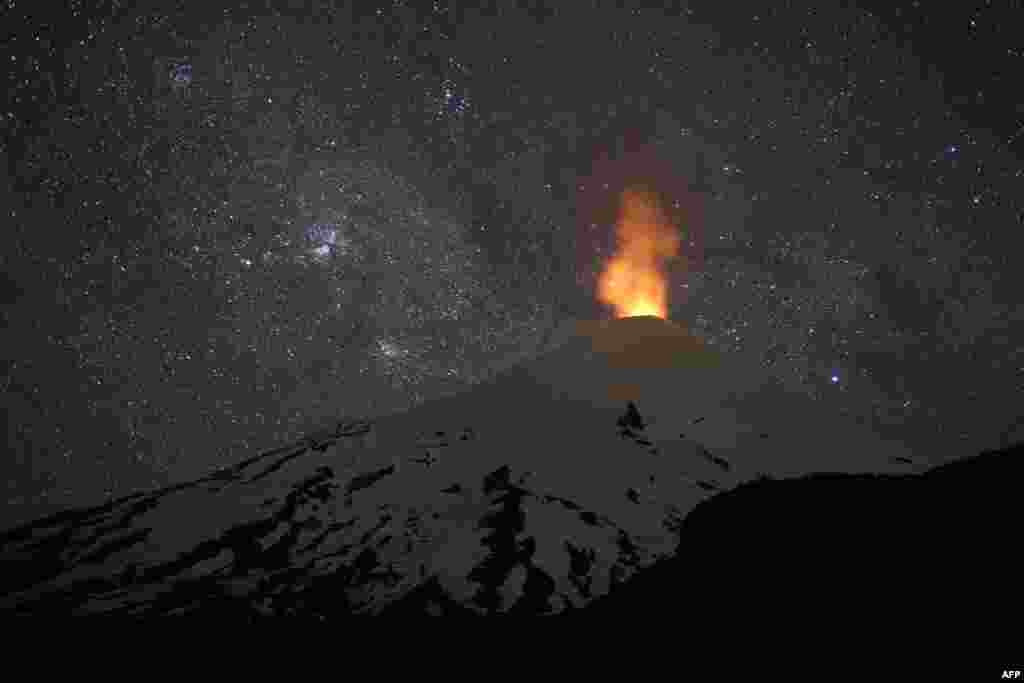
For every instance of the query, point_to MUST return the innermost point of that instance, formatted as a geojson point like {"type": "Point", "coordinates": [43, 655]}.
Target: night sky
{"type": "Point", "coordinates": [224, 229]}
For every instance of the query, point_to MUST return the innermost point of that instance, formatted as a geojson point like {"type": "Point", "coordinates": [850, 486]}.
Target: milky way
{"type": "Point", "coordinates": [374, 277]}
{"type": "Point", "coordinates": [278, 219]}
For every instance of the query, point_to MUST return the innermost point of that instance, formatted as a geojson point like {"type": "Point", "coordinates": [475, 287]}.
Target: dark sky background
{"type": "Point", "coordinates": [225, 226]}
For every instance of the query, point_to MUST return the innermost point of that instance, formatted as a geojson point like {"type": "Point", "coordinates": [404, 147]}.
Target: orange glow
{"type": "Point", "coordinates": [634, 281]}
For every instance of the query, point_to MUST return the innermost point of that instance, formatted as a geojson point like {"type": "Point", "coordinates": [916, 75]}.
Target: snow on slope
{"type": "Point", "coordinates": [537, 490]}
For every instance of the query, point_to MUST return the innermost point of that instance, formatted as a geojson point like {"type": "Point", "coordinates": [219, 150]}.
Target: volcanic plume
{"type": "Point", "coordinates": [639, 232]}
{"type": "Point", "coordinates": [634, 282]}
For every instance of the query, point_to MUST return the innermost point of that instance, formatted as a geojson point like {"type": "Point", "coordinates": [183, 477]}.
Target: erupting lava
{"type": "Point", "coordinates": [634, 282]}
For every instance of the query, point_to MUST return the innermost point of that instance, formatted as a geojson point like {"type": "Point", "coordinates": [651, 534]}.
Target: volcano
{"type": "Point", "coordinates": [557, 483]}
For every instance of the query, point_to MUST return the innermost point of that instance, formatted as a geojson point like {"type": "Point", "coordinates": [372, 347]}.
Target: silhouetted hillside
{"type": "Point", "coordinates": [834, 545]}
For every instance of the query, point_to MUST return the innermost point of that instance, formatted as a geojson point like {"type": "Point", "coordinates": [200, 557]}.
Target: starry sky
{"type": "Point", "coordinates": [229, 224]}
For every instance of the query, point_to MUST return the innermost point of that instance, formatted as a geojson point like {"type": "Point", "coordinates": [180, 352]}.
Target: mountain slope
{"type": "Point", "coordinates": [539, 491]}
{"type": "Point", "coordinates": [933, 548]}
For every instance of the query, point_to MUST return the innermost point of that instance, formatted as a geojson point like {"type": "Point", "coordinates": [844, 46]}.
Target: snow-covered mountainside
{"type": "Point", "coordinates": [556, 482]}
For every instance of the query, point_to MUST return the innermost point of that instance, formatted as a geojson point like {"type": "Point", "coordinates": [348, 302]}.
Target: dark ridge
{"type": "Point", "coordinates": [837, 545]}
